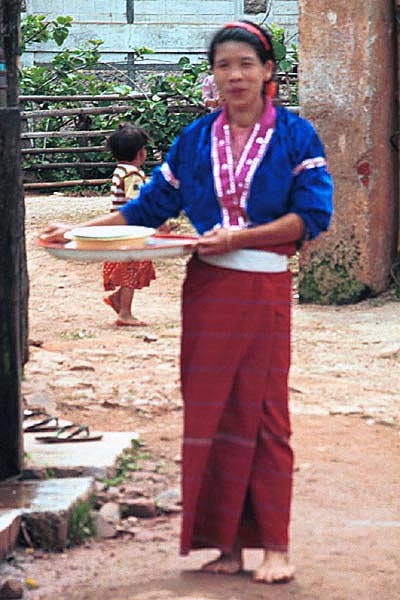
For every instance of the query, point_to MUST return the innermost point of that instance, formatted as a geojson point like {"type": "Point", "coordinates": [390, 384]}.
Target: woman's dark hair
{"type": "Point", "coordinates": [240, 34]}
{"type": "Point", "coordinates": [126, 141]}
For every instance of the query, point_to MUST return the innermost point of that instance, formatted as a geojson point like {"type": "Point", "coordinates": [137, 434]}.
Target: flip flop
{"type": "Point", "coordinates": [48, 424]}
{"type": "Point", "coordinates": [78, 433]}
{"type": "Point", "coordinates": [120, 323]}
{"type": "Point", "coordinates": [36, 412]}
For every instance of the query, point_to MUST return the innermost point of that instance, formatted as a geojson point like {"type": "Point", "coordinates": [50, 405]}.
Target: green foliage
{"type": "Point", "coordinates": [286, 61]}
{"type": "Point", "coordinates": [73, 72]}
{"type": "Point", "coordinates": [180, 88]}
{"type": "Point", "coordinates": [80, 524]}
{"type": "Point", "coordinates": [49, 473]}
{"type": "Point", "coordinates": [37, 29]}
{"type": "Point", "coordinates": [126, 462]}
{"type": "Point", "coordinates": [294, 51]}
{"type": "Point", "coordinates": [139, 53]}
{"type": "Point", "coordinates": [171, 101]}
{"type": "Point", "coordinates": [69, 73]}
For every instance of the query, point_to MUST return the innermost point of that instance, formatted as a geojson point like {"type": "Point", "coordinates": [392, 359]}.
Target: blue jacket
{"type": "Point", "coordinates": [275, 189]}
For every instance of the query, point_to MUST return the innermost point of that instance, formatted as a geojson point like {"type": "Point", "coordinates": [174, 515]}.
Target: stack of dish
{"type": "Point", "coordinates": [110, 237]}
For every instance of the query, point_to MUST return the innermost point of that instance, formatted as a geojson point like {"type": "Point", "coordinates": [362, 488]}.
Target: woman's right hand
{"type": "Point", "coordinates": [54, 232]}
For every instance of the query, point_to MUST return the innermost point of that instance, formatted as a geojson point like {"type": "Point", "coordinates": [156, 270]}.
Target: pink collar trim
{"type": "Point", "coordinates": [232, 184]}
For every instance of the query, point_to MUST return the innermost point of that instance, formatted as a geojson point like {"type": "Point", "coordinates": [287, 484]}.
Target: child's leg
{"type": "Point", "coordinates": [125, 316]}
{"type": "Point", "coordinates": [114, 301]}
{"type": "Point", "coordinates": [125, 302]}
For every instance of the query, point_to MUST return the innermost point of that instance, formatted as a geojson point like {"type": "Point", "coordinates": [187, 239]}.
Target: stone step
{"type": "Point", "coordinates": [55, 479]}
{"type": "Point", "coordinates": [41, 510]}
{"type": "Point", "coordinates": [10, 521]}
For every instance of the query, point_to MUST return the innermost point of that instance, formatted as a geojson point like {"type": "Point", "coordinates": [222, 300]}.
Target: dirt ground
{"type": "Point", "coordinates": [345, 384]}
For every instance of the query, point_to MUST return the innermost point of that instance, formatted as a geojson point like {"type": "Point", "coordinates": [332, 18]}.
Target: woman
{"type": "Point", "coordinates": [252, 179]}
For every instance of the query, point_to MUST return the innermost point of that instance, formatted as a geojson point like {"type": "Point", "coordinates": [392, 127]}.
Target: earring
{"type": "Point", "coordinates": [270, 89]}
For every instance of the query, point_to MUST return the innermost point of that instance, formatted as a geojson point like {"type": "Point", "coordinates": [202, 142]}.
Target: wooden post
{"type": "Point", "coordinates": [130, 18]}
{"type": "Point", "coordinates": [13, 275]}
{"type": "Point", "coordinates": [397, 133]}
{"type": "Point", "coordinates": [83, 123]}
{"type": "Point", "coordinates": [11, 266]}
{"type": "Point", "coordinates": [11, 11]}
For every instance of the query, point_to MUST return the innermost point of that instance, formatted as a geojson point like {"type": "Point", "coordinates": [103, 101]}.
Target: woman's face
{"type": "Point", "coordinates": [239, 74]}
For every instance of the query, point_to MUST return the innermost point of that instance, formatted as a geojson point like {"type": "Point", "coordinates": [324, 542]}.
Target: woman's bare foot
{"type": "Point", "coordinates": [275, 568]}
{"type": "Point", "coordinates": [226, 564]}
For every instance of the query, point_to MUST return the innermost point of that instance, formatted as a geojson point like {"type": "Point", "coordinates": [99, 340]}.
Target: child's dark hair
{"type": "Point", "coordinates": [126, 141]}
{"type": "Point", "coordinates": [230, 33]}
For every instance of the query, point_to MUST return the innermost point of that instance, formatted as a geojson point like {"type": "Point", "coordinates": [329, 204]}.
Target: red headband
{"type": "Point", "coordinates": [250, 29]}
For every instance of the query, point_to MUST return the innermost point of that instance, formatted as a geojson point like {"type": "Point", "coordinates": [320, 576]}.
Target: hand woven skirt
{"type": "Point", "coordinates": [235, 358]}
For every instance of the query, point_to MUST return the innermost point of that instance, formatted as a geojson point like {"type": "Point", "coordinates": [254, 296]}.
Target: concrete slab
{"type": "Point", "coordinates": [44, 509]}
{"type": "Point", "coordinates": [10, 521]}
{"type": "Point", "coordinates": [96, 459]}
{"type": "Point", "coordinates": [49, 495]}
{"type": "Point", "coordinates": [56, 477]}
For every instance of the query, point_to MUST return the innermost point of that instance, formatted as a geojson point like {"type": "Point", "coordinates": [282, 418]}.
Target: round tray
{"type": "Point", "coordinates": [157, 246]}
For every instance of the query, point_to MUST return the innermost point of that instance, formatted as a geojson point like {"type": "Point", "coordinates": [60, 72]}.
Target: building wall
{"type": "Point", "coordinates": [171, 28]}
{"type": "Point", "coordinates": [284, 13]}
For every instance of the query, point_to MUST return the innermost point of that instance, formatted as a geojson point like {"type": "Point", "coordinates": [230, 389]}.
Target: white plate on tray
{"type": "Point", "coordinates": [157, 246]}
{"type": "Point", "coordinates": [106, 232]}
{"type": "Point", "coordinates": [109, 237]}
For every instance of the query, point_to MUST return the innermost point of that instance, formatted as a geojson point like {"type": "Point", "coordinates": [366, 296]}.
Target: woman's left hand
{"type": "Point", "coordinates": [216, 241]}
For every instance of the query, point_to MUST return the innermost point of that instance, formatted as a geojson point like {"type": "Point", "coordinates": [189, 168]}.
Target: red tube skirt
{"type": "Point", "coordinates": [235, 358]}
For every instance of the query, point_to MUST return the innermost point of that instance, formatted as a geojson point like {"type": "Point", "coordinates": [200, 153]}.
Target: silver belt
{"type": "Point", "coordinates": [257, 261]}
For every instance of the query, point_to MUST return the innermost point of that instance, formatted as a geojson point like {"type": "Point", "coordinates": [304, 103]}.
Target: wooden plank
{"type": "Point", "coordinates": [76, 164]}
{"type": "Point", "coordinates": [107, 110]}
{"type": "Point", "coordinates": [69, 150]}
{"type": "Point", "coordinates": [65, 112]}
{"type": "Point", "coordinates": [81, 98]}
{"type": "Point", "coordinates": [68, 165]}
{"type": "Point", "coordinates": [65, 134]}
{"type": "Point", "coordinates": [62, 184]}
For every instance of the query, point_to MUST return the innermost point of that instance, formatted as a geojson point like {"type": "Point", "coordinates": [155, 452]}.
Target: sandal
{"type": "Point", "coordinates": [48, 424]}
{"type": "Point", "coordinates": [45, 423]}
{"type": "Point", "coordinates": [70, 433]}
{"type": "Point", "coordinates": [36, 412]}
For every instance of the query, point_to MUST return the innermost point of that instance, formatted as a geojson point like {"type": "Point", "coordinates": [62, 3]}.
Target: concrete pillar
{"type": "Point", "coordinates": [347, 90]}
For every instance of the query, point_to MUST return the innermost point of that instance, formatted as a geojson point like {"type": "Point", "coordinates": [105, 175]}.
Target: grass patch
{"type": "Point", "coordinates": [81, 525]}
{"type": "Point", "coordinates": [126, 463]}
{"type": "Point", "coordinates": [49, 473]}
{"type": "Point", "coordinates": [77, 335]}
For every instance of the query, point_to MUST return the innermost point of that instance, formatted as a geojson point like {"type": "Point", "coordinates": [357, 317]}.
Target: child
{"type": "Point", "coordinates": [128, 146]}
{"type": "Point", "coordinates": [210, 93]}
